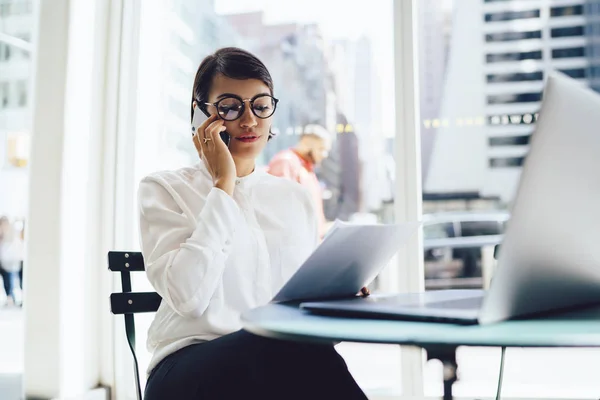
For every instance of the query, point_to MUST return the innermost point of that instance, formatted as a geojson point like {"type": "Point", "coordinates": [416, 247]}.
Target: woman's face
{"type": "Point", "coordinates": [249, 134]}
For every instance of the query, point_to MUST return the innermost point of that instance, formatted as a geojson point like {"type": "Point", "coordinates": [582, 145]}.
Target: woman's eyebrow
{"type": "Point", "coordinates": [227, 95]}
{"type": "Point", "coordinates": [235, 95]}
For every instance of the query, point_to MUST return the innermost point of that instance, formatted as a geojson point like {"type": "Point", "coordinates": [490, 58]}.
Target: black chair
{"type": "Point", "coordinates": [128, 302]}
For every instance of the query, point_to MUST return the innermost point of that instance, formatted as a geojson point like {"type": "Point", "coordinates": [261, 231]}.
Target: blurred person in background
{"type": "Point", "coordinates": [21, 230]}
{"type": "Point", "coordinates": [298, 164]}
{"type": "Point", "coordinates": [11, 257]}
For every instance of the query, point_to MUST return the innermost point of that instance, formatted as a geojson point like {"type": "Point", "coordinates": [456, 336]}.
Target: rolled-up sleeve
{"type": "Point", "coordinates": [185, 258]}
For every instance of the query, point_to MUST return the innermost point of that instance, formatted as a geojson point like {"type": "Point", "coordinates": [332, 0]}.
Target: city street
{"type": "Point", "coordinates": [541, 373]}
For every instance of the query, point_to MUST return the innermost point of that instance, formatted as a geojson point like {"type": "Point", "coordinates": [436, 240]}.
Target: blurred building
{"type": "Point", "coordinates": [297, 59]}
{"type": "Point", "coordinates": [500, 53]}
{"type": "Point", "coordinates": [16, 22]}
{"type": "Point", "coordinates": [591, 12]}
{"type": "Point", "coordinates": [177, 35]}
{"type": "Point", "coordinates": [357, 85]}
{"type": "Point", "coordinates": [435, 28]}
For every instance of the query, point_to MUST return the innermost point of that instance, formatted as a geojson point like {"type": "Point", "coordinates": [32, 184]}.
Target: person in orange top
{"type": "Point", "coordinates": [298, 164]}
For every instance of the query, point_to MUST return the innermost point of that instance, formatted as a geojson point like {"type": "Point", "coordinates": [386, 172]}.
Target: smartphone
{"type": "Point", "coordinates": [197, 120]}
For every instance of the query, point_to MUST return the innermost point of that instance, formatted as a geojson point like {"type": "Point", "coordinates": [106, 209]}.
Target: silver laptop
{"type": "Point", "coordinates": [550, 257]}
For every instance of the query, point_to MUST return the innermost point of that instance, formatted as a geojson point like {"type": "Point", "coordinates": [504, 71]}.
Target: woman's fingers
{"type": "Point", "coordinates": [206, 136]}
{"type": "Point", "coordinates": [213, 132]}
{"type": "Point", "coordinates": [206, 123]}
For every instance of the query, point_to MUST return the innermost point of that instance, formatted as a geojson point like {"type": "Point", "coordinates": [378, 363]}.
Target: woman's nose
{"type": "Point", "coordinates": [248, 119]}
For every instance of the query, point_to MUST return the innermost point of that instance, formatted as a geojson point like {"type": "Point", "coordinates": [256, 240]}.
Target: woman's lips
{"type": "Point", "coordinates": [247, 138]}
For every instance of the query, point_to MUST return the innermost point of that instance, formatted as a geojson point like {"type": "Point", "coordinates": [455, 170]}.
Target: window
{"type": "Point", "coordinates": [15, 7]}
{"type": "Point", "coordinates": [516, 77]}
{"type": "Point", "coordinates": [574, 72]}
{"type": "Point", "coordinates": [480, 228]}
{"type": "Point", "coordinates": [21, 91]}
{"type": "Point", "coordinates": [511, 15]}
{"type": "Point", "coordinates": [438, 230]}
{"type": "Point", "coordinates": [514, 98]}
{"type": "Point", "coordinates": [566, 11]}
{"type": "Point", "coordinates": [569, 52]}
{"type": "Point", "coordinates": [5, 52]}
{"type": "Point", "coordinates": [509, 140]}
{"type": "Point", "coordinates": [26, 37]}
{"type": "Point", "coordinates": [505, 57]}
{"type": "Point", "coordinates": [566, 32]}
{"type": "Point", "coordinates": [476, 167]}
{"type": "Point", "coordinates": [4, 94]}
{"type": "Point", "coordinates": [326, 69]}
{"type": "Point", "coordinates": [16, 20]}
{"type": "Point", "coordinates": [510, 162]}
{"type": "Point", "coordinates": [511, 36]}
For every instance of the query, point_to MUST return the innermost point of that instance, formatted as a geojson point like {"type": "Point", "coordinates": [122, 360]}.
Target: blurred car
{"type": "Point", "coordinates": [452, 241]}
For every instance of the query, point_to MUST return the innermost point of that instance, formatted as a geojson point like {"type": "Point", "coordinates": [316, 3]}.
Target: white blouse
{"type": "Point", "coordinates": [211, 256]}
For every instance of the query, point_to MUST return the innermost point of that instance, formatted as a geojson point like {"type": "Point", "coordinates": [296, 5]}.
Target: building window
{"type": "Point", "coordinates": [4, 52]}
{"type": "Point", "coordinates": [574, 73]}
{"type": "Point", "coordinates": [567, 31]}
{"type": "Point", "coordinates": [508, 162]}
{"type": "Point", "coordinates": [26, 37]}
{"type": "Point", "coordinates": [21, 93]}
{"type": "Point", "coordinates": [504, 57]}
{"type": "Point", "coordinates": [568, 53]}
{"type": "Point", "coordinates": [510, 36]}
{"type": "Point", "coordinates": [511, 15]}
{"type": "Point", "coordinates": [509, 140]}
{"type": "Point", "coordinates": [480, 228]}
{"type": "Point", "coordinates": [514, 98]}
{"type": "Point", "coordinates": [4, 94]}
{"type": "Point", "coordinates": [566, 11]}
{"type": "Point", "coordinates": [516, 77]}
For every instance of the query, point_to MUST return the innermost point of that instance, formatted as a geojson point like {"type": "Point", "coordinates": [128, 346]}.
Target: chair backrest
{"type": "Point", "coordinates": [127, 302]}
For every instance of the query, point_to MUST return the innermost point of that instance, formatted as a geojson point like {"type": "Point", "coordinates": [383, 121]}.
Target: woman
{"type": "Point", "coordinates": [222, 237]}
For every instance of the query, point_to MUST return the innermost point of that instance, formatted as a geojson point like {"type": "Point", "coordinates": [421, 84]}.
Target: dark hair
{"type": "Point", "coordinates": [231, 62]}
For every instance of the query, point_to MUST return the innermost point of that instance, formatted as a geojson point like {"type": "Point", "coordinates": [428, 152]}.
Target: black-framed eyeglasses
{"type": "Point", "coordinates": [231, 108]}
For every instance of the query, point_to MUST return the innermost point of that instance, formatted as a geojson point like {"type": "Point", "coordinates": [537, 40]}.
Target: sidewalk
{"type": "Point", "coordinates": [12, 344]}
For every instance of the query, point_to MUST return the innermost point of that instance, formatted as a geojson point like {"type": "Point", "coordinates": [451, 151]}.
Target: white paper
{"type": "Point", "coordinates": [349, 257]}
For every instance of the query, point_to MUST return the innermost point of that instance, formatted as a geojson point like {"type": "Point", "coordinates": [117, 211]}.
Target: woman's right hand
{"type": "Point", "coordinates": [213, 150]}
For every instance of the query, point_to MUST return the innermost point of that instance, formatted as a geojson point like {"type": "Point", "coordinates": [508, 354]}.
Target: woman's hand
{"type": "Point", "coordinates": [216, 155]}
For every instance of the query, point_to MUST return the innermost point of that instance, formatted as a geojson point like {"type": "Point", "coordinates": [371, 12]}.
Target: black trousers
{"type": "Point", "coordinates": [246, 366]}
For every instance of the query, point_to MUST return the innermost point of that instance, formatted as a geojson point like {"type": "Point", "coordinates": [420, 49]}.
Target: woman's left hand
{"type": "Point", "coordinates": [364, 292]}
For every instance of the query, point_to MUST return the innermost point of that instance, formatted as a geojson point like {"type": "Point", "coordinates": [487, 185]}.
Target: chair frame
{"type": "Point", "coordinates": [128, 303]}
